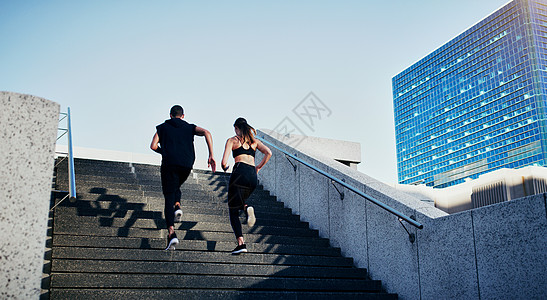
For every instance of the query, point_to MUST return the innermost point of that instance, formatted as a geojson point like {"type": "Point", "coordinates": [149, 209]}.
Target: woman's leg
{"type": "Point", "coordinates": [236, 225]}
{"type": "Point", "coordinates": [235, 204]}
{"type": "Point", "coordinates": [251, 183]}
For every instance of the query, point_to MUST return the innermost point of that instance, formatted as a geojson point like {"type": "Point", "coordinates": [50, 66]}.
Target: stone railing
{"type": "Point", "coordinates": [496, 251]}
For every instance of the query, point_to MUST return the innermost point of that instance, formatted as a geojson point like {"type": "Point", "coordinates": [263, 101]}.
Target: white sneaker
{"type": "Point", "coordinates": [172, 242]}
{"type": "Point", "coordinates": [251, 219]}
{"type": "Point", "coordinates": [178, 215]}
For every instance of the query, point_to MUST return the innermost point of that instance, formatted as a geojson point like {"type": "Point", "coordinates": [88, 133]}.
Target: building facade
{"type": "Point", "coordinates": [477, 103]}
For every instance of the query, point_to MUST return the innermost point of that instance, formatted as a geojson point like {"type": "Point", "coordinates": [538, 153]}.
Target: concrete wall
{"type": "Point", "coordinates": [488, 253]}
{"type": "Point", "coordinates": [28, 127]}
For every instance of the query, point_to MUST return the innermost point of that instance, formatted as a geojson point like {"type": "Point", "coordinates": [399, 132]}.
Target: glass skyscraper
{"type": "Point", "coordinates": [477, 103]}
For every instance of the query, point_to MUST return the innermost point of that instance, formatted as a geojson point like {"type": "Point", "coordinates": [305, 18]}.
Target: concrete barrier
{"type": "Point", "coordinates": [29, 129]}
{"type": "Point", "coordinates": [493, 252]}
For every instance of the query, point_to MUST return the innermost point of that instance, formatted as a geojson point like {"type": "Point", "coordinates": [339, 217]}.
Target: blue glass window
{"type": "Point", "coordinates": [477, 103]}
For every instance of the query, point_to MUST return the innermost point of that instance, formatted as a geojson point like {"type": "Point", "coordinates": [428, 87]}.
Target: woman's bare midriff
{"type": "Point", "coordinates": [246, 159]}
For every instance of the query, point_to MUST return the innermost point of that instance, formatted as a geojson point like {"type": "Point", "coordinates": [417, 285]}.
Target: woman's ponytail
{"type": "Point", "coordinates": [247, 131]}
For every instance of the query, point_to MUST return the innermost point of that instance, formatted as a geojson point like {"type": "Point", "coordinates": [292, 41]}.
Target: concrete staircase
{"type": "Point", "coordinates": [109, 244]}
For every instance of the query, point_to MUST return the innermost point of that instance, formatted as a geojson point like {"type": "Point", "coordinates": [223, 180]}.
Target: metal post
{"type": "Point", "coordinates": [71, 175]}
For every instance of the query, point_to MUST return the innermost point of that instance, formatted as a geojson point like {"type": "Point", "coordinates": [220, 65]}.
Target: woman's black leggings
{"type": "Point", "coordinates": [243, 182]}
{"type": "Point", "coordinates": [234, 221]}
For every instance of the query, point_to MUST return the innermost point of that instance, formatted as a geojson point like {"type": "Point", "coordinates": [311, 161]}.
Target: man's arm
{"type": "Point", "coordinates": [154, 145]}
{"type": "Point", "coordinates": [209, 140]}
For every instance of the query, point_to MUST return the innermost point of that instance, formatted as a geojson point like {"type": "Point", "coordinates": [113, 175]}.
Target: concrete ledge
{"type": "Point", "coordinates": [342, 151]}
{"type": "Point", "coordinates": [28, 132]}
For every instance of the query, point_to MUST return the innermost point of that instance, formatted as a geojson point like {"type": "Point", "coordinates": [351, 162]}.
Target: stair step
{"type": "Point", "coordinates": [184, 235]}
{"type": "Point", "coordinates": [128, 219]}
{"type": "Point", "coordinates": [228, 294]}
{"type": "Point", "coordinates": [156, 191]}
{"type": "Point", "coordinates": [197, 245]}
{"type": "Point", "coordinates": [127, 195]}
{"type": "Point", "coordinates": [147, 203]}
{"type": "Point", "coordinates": [209, 201]}
{"type": "Point", "coordinates": [130, 183]}
{"type": "Point", "coordinates": [87, 164]}
{"type": "Point", "coordinates": [151, 214]}
{"type": "Point", "coordinates": [175, 281]}
{"type": "Point", "coordinates": [199, 268]}
{"type": "Point", "coordinates": [198, 256]}
{"type": "Point", "coordinates": [113, 185]}
{"type": "Point", "coordinates": [66, 225]}
{"type": "Point", "coordinates": [127, 178]}
{"type": "Point", "coordinates": [62, 171]}
{"type": "Point", "coordinates": [187, 194]}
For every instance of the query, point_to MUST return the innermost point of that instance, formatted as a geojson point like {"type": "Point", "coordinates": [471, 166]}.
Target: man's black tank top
{"type": "Point", "coordinates": [177, 142]}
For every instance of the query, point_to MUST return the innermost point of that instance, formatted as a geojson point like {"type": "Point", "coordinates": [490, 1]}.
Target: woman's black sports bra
{"type": "Point", "coordinates": [241, 150]}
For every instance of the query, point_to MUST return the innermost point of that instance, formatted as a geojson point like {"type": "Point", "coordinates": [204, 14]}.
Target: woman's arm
{"type": "Point", "coordinates": [227, 150]}
{"type": "Point", "coordinates": [267, 154]}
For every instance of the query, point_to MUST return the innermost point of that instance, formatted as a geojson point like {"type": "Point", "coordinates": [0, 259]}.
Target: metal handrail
{"type": "Point", "coordinates": [70, 156]}
{"type": "Point", "coordinates": [72, 175]}
{"type": "Point", "coordinates": [349, 187]}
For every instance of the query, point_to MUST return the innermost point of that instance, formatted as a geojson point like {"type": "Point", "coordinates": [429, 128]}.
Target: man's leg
{"type": "Point", "coordinates": [177, 207]}
{"type": "Point", "coordinates": [169, 184]}
{"type": "Point", "coordinates": [183, 174]}
{"type": "Point", "coordinates": [169, 181]}
{"type": "Point", "coordinates": [169, 211]}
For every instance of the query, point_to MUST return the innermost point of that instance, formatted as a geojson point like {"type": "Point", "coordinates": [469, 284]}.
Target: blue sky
{"type": "Point", "coordinates": [120, 65]}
